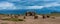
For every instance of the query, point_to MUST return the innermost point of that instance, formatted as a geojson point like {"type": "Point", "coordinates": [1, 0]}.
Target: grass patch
{"type": "Point", "coordinates": [13, 19]}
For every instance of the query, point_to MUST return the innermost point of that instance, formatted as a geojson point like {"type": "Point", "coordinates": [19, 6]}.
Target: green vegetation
{"type": "Point", "coordinates": [13, 19]}
{"type": "Point", "coordinates": [55, 14]}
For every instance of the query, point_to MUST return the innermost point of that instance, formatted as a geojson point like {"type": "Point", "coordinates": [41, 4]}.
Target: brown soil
{"type": "Point", "coordinates": [31, 20]}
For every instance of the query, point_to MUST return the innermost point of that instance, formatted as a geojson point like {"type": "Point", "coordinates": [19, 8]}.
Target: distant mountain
{"type": "Point", "coordinates": [38, 11]}
{"type": "Point", "coordinates": [23, 11]}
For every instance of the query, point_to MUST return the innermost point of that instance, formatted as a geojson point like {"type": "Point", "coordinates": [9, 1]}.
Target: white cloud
{"type": "Point", "coordinates": [13, 0]}
{"type": "Point", "coordinates": [52, 4]}
{"type": "Point", "coordinates": [34, 7]}
{"type": "Point", "coordinates": [11, 6]}
{"type": "Point", "coordinates": [7, 6]}
{"type": "Point", "coordinates": [48, 0]}
{"type": "Point", "coordinates": [40, 0]}
{"type": "Point", "coordinates": [46, 5]}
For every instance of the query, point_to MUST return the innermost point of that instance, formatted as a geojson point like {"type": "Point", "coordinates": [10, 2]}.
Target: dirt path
{"type": "Point", "coordinates": [31, 20]}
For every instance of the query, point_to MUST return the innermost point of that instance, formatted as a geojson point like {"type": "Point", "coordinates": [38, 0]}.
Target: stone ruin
{"type": "Point", "coordinates": [30, 14]}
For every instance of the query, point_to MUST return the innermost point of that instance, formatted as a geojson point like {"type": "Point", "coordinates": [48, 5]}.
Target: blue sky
{"type": "Point", "coordinates": [29, 4]}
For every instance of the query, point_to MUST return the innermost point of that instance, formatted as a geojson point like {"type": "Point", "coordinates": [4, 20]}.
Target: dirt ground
{"type": "Point", "coordinates": [31, 20]}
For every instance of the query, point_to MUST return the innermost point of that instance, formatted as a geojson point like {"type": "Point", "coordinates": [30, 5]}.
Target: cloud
{"type": "Point", "coordinates": [52, 4]}
{"type": "Point", "coordinates": [46, 5]}
{"type": "Point", "coordinates": [34, 7]}
{"type": "Point", "coordinates": [7, 6]}
{"type": "Point", "coordinates": [48, 0]}
{"type": "Point", "coordinates": [30, 0]}
{"type": "Point", "coordinates": [14, 0]}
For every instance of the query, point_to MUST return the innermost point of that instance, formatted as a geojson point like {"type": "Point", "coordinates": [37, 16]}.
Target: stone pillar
{"type": "Point", "coordinates": [48, 16]}
{"type": "Point", "coordinates": [43, 16]}
{"type": "Point", "coordinates": [35, 17]}
{"type": "Point", "coordinates": [30, 14]}
{"type": "Point", "coordinates": [24, 17]}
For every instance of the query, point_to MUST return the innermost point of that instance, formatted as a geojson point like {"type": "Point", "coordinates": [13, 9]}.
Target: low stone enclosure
{"type": "Point", "coordinates": [28, 18]}
{"type": "Point", "coordinates": [23, 19]}
{"type": "Point", "coordinates": [32, 14]}
{"type": "Point", "coordinates": [38, 19]}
